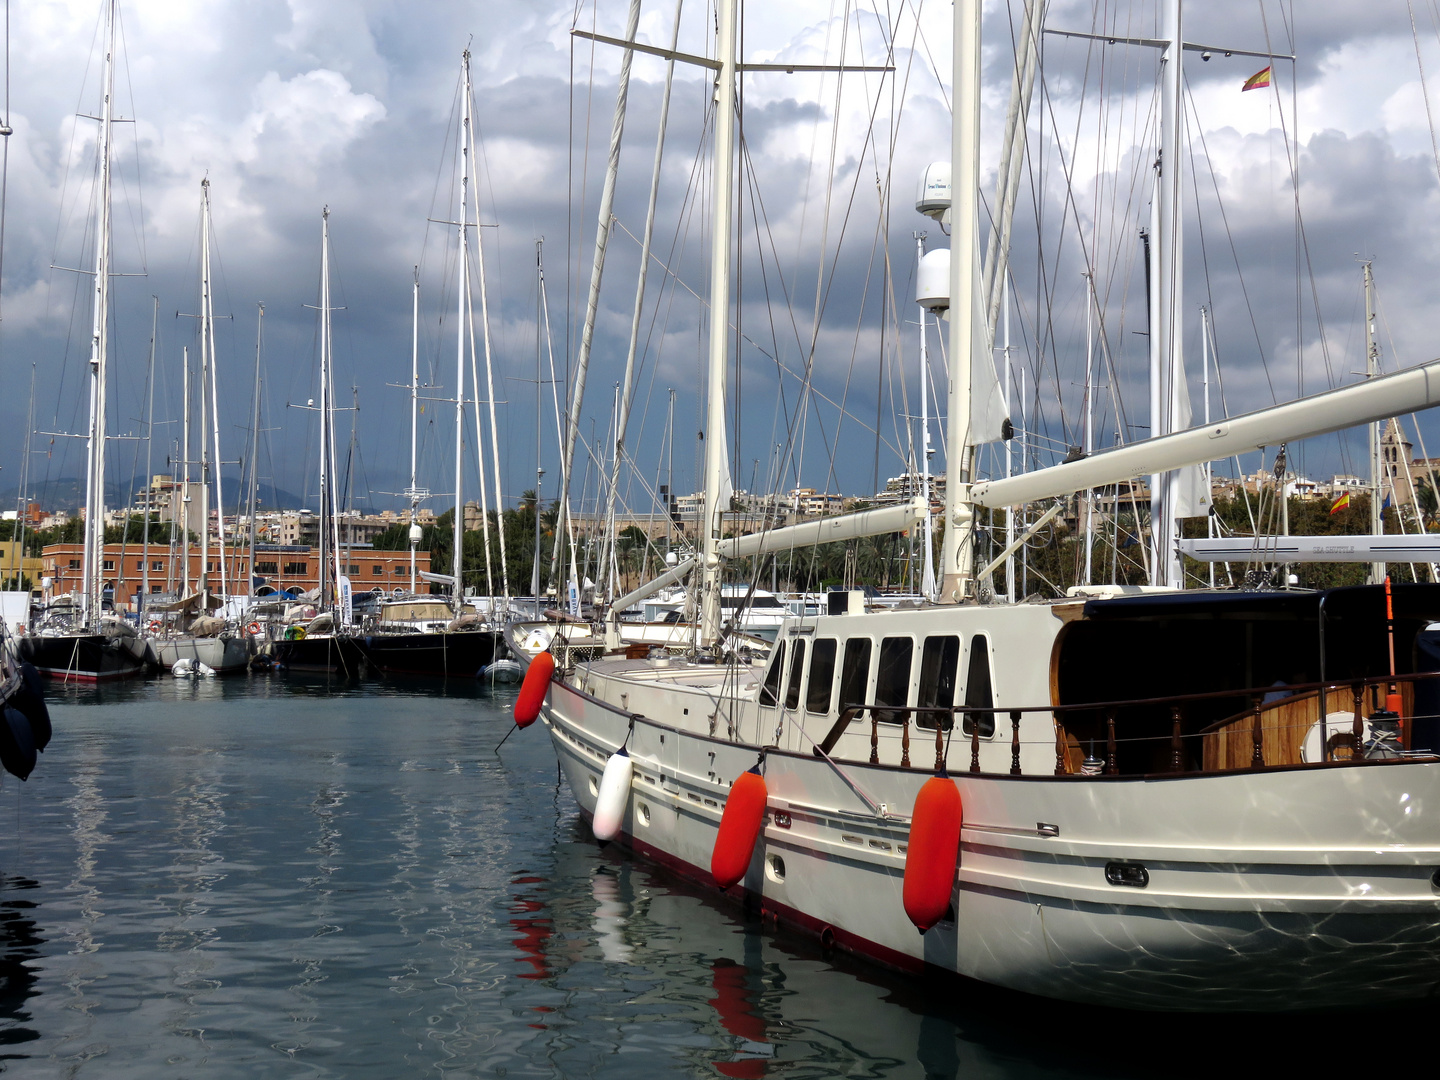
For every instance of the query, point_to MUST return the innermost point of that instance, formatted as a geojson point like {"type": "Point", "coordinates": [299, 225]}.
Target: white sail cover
{"type": "Point", "coordinates": [1315, 549]}
{"type": "Point", "coordinates": [989, 419]}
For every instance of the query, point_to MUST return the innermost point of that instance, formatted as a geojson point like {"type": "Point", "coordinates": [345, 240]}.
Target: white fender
{"type": "Point", "coordinates": [613, 795]}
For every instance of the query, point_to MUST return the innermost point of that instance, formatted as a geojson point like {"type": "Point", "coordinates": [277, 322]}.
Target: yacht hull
{"type": "Point", "coordinates": [225, 655]}
{"type": "Point", "coordinates": [1301, 888]}
{"type": "Point", "coordinates": [322, 653]}
{"type": "Point", "coordinates": [84, 657]}
{"type": "Point", "coordinates": [460, 654]}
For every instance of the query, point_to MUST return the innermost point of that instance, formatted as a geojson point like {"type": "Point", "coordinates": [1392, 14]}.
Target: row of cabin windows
{"type": "Point", "coordinates": [939, 668]}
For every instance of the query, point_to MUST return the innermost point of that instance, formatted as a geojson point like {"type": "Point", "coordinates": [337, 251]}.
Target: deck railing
{"type": "Point", "coordinates": [1252, 725]}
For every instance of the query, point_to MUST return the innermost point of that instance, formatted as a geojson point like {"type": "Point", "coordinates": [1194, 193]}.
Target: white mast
{"type": "Point", "coordinates": [1089, 422]}
{"type": "Point", "coordinates": [927, 577]}
{"type": "Point", "coordinates": [99, 347]}
{"type": "Point", "coordinates": [327, 436]}
{"type": "Point", "coordinates": [207, 329]}
{"type": "Point", "coordinates": [1167, 365]}
{"type": "Point", "coordinates": [413, 493]}
{"type": "Point", "coordinates": [715, 463]}
{"type": "Point", "coordinates": [958, 566]}
{"type": "Point", "coordinates": [457, 539]}
{"type": "Point", "coordinates": [1372, 368]}
{"type": "Point", "coordinates": [597, 266]}
{"type": "Point", "coordinates": [254, 450]}
{"type": "Point", "coordinates": [185, 478]}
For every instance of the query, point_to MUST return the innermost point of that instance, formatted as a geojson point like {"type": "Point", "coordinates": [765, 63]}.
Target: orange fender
{"type": "Point", "coordinates": [740, 825]}
{"type": "Point", "coordinates": [534, 689]}
{"type": "Point", "coordinates": [934, 851]}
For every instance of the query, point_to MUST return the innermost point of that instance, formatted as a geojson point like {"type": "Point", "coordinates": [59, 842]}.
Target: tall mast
{"type": "Point", "coordinates": [1372, 368]}
{"type": "Point", "coordinates": [185, 460]}
{"type": "Point", "coordinates": [722, 193]}
{"type": "Point", "coordinates": [327, 524]}
{"type": "Point", "coordinates": [412, 492]}
{"type": "Point", "coordinates": [927, 576]}
{"type": "Point", "coordinates": [597, 266]}
{"type": "Point", "coordinates": [208, 329]}
{"type": "Point", "coordinates": [254, 447]}
{"type": "Point", "coordinates": [1167, 365]}
{"type": "Point", "coordinates": [539, 385]}
{"type": "Point", "coordinates": [149, 491]}
{"type": "Point", "coordinates": [207, 341]}
{"type": "Point", "coordinates": [99, 348]}
{"type": "Point", "coordinates": [1089, 422]}
{"type": "Point", "coordinates": [461, 295]}
{"type": "Point", "coordinates": [489, 382]}
{"type": "Point", "coordinates": [958, 566]}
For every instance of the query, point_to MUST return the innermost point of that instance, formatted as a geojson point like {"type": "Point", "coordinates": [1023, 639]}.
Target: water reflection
{"type": "Point", "coordinates": [20, 943]}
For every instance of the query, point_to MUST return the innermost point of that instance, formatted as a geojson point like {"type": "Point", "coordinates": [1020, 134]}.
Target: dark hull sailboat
{"type": "Point", "coordinates": [83, 657]}
{"type": "Point", "coordinates": [333, 654]}
{"type": "Point", "coordinates": [460, 654]}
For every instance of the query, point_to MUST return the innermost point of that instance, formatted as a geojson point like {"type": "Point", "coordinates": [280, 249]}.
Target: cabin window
{"type": "Point", "coordinates": [855, 674]}
{"type": "Point", "coordinates": [892, 679]}
{"type": "Point", "coordinates": [797, 669]}
{"type": "Point", "coordinates": [770, 691]}
{"type": "Point", "coordinates": [977, 688]}
{"type": "Point", "coordinates": [822, 676]}
{"type": "Point", "coordinates": [939, 663]}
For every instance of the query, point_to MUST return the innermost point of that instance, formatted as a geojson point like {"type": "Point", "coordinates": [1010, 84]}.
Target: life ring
{"type": "Point", "coordinates": [253, 629]}
{"type": "Point", "coordinates": [155, 626]}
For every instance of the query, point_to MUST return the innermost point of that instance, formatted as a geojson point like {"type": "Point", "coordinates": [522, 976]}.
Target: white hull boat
{"type": "Point", "coordinates": [1145, 801]}
{"type": "Point", "coordinates": [1286, 886]}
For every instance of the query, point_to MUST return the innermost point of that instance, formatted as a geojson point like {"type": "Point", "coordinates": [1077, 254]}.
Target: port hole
{"type": "Point", "coordinates": [594, 786]}
{"type": "Point", "coordinates": [644, 814]}
{"type": "Point", "coordinates": [1127, 875]}
{"type": "Point", "coordinates": [775, 868]}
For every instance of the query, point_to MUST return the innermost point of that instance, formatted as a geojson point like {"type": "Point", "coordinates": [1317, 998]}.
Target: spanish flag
{"type": "Point", "coordinates": [1257, 81]}
{"type": "Point", "coordinates": [1340, 504]}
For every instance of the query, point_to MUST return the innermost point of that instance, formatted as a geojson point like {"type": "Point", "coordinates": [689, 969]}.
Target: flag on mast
{"type": "Point", "coordinates": [1340, 504]}
{"type": "Point", "coordinates": [1257, 81]}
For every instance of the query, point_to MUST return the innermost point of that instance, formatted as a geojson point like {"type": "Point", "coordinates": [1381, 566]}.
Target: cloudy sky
{"type": "Point", "coordinates": [289, 106]}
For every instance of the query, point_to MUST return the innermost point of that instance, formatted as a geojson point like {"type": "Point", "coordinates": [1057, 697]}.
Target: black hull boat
{"type": "Point", "coordinates": [82, 657]}
{"type": "Point", "coordinates": [457, 654]}
{"type": "Point", "coordinates": [335, 654]}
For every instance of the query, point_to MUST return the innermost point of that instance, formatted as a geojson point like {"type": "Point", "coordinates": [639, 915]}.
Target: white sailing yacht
{"type": "Point", "coordinates": [420, 636]}
{"type": "Point", "coordinates": [73, 638]}
{"type": "Point", "coordinates": [196, 636]}
{"type": "Point", "coordinates": [1104, 799]}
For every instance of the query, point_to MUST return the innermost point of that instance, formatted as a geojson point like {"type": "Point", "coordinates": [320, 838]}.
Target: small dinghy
{"type": "Point", "coordinates": [503, 671]}
{"type": "Point", "coordinates": [186, 668]}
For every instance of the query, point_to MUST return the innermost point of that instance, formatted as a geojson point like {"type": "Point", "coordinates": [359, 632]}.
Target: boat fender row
{"type": "Point", "coordinates": [25, 730]}
{"type": "Point", "coordinates": [613, 795]}
{"type": "Point", "coordinates": [533, 689]}
{"type": "Point", "coordinates": [933, 854]}
{"type": "Point", "coordinates": [740, 824]}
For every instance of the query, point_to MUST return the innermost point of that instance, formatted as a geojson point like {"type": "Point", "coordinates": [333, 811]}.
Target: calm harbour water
{"type": "Point", "coordinates": [267, 876]}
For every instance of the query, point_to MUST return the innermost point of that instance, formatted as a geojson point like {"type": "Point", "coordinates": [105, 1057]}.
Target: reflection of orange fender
{"type": "Point", "coordinates": [740, 824]}
{"type": "Point", "coordinates": [253, 629]}
{"type": "Point", "coordinates": [934, 851]}
{"type": "Point", "coordinates": [534, 689]}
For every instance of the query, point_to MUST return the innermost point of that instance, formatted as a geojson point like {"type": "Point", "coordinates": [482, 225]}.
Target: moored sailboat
{"type": "Point", "coordinates": [74, 638]}
{"type": "Point", "coordinates": [1162, 800]}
